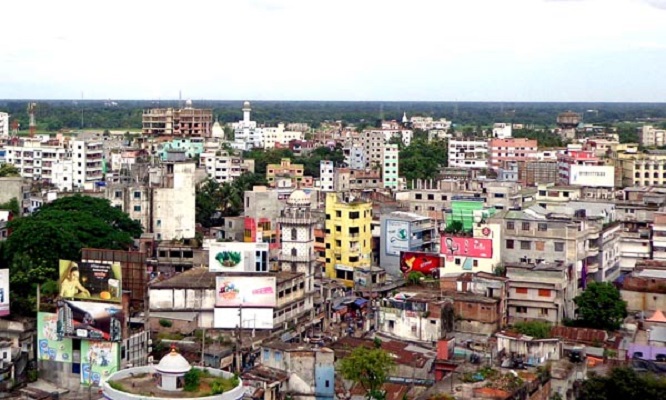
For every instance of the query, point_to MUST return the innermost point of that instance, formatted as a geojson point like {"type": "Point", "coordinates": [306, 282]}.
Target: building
{"type": "Point", "coordinates": [87, 163]}
{"type": "Point", "coordinates": [247, 134]}
{"type": "Point", "coordinates": [502, 130]}
{"type": "Point", "coordinates": [428, 123]}
{"type": "Point", "coordinates": [390, 166]}
{"type": "Point", "coordinates": [279, 137]}
{"type": "Point", "coordinates": [542, 291]}
{"type": "Point", "coordinates": [4, 125]}
{"type": "Point", "coordinates": [644, 289]}
{"type": "Point", "coordinates": [567, 122]}
{"type": "Point", "coordinates": [510, 149]}
{"type": "Point", "coordinates": [284, 170]}
{"type": "Point", "coordinates": [223, 166]}
{"type": "Point", "coordinates": [192, 146]}
{"type": "Point", "coordinates": [348, 236]}
{"type": "Point", "coordinates": [355, 157]}
{"type": "Point", "coordinates": [419, 317]}
{"type": "Point", "coordinates": [470, 153]}
{"type": "Point", "coordinates": [404, 232]}
{"type": "Point", "coordinates": [326, 175]}
{"type": "Point", "coordinates": [642, 169]}
{"type": "Point", "coordinates": [649, 136]}
{"type": "Point", "coordinates": [529, 172]}
{"type": "Point", "coordinates": [570, 163]}
{"type": "Point", "coordinates": [186, 121]}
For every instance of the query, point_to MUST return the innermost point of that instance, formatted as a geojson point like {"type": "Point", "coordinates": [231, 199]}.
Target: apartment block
{"type": "Point", "coordinates": [568, 160]}
{"type": "Point", "coordinates": [649, 136]}
{"type": "Point", "coordinates": [404, 231]}
{"type": "Point", "coordinates": [186, 121]}
{"type": "Point", "coordinates": [510, 149]}
{"type": "Point", "coordinates": [35, 159]}
{"type": "Point", "coordinates": [326, 176]}
{"type": "Point", "coordinates": [502, 130]}
{"type": "Point", "coordinates": [355, 157]}
{"type": "Point", "coordinates": [4, 125]}
{"type": "Point", "coordinates": [428, 123]}
{"type": "Point", "coordinates": [191, 146]}
{"type": "Point", "coordinates": [279, 136]}
{"type": "Point", "coordinates": [223, 166]}
{"type": "Point", "coordinates": [247, 134]}
{"type": "Point", "coordinates": [642, 169]}
{"type": "Point", "coordinates": [390, 166]}
{"type": "Point", "coordinates": [529, 172]}
{"type": "Point", "coordinates": [471, 153]}
{"type": "Point", "coordinates": [347, 179]}
{"type": "Point", "coordinates": [348, 236]}
{"type": "Point", "coordinates": [284, 170]}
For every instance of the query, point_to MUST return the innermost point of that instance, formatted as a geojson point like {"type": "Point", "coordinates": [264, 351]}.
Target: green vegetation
{"type": "Point", "coordinates": [600, 306]}
{"type": "Point", "coordinates": [192, 380]}
{"type": "Point", "coordinates": [12, 205]}
{"type": "Point", "coordinates": [197, 380]}
{"type": "Point", "coordinates": [310, 161]}
{"type": "Point", "coordinates": [368, 367]}
{"type": "Point", "coordinates": [545, 138]}
{"type": "Point", "coordinates": [165, 323]}
{"type": "Point", "coordinates": [423, 160]}
{"type": "Point", "coordinates": [215, 200]}
{"type": "Point", "coordinates": [117, 386]}
{"type": "Point", "coordinates": [7, 170]}
{"type": "Point", "coordinates": [623, 384]}
{"type": "Point", "coordinates": [536, 329]}
{"type": "Point", "coordinates": [415, 277]}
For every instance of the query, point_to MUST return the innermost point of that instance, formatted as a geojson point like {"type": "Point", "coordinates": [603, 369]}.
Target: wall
{"type": "Point", "coordinates": [175, 206]}
{"type": "Point", "coordinates": [409, 325]}
{"type": "Point", "coordinates": [645, 301]}
{"type": "Point", "coordinates": [592, 175]}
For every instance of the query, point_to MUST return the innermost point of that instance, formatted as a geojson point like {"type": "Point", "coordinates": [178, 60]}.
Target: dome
{"type": "Point", "coordinates": [173, 363]}
{"type": "Point", "coordinates": [246, 104]}
{"type": "Point", "coordinates": [188, 103]}
{"type": "Point", "coordinates": [298, 198]}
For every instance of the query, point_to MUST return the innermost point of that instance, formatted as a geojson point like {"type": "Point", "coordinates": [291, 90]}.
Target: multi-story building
{"type": "Point", "coordinates": [247, 134]}
{"type": "Point", "coordinates": [347, 179]}
{"type": "Point", "coordinates": [223, 166]}
{"type": "Point", "coordinates": [192, 146]}
{"type": "Point", "coordinates": [542, 291]}
{"type": "Point", "coordinates": [529, 172]}
{"type": "Point", "coordinates": [326, 176]}
{"type": "Point", "coordinates": [649, 136]}
{"type": "Point", "coordinates": [87, 160]}
{"type": "Point", "coordinates": [601, 145]}
{"type": "Point", "coordinates": [642, 169]}
{"type": "Point", "coordinates": [372, 143]}
{"type": "Point", "coordinates": [570, 161]}
{"type": "Point", "coordinates": [502, 130]}
{"type": "Point", "coordinates": [404, 231]}
{"type": "Point", "coordinates": [390, 166]}
{"type": "Point", "coordinates": [405, 135]}
{"type": "Point", "coordinates": [348, 236]}
{"type": "Point", "coordinates": [472, 153]}
{"type": "Point", "coordinates": [186, 121]}
{"type": "Point", "coordinates": [36, 159]}
{"type": "Point", "coordinates": [284, 170]}
{"type": "Point", "coordinates": [510, 149]}
{"type": "Point", "coordinates": [659, 236]}
{"type": "Point", "coordinates": [428, 123]}
{"type": "Point", "coordinates": [278, 136]}
{"type": "Point", "coordinates": [4, 125]}
{"type": "Point", "coordinates": [355, 157]}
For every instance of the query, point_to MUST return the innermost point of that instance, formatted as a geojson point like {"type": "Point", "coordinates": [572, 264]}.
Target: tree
{"type": "Point", "coordinates": [600, 306]}
{"type": "Point", "coordinates": [423, 160]}
{"type": "Point", "coordinates": [7, 170]}
{"type": "Point", "coordinates": [214, 200]}
{"type": "Point", "coordinates": [368, 367]}
{"type": "Point", "coordinates": [623, 383]}
{"type": "Point", "coordinates": [536, 329]}
{"type": "Point", "coordinates": [12, 205]}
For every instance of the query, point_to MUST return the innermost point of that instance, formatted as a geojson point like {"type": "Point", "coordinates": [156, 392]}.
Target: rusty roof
{"type": "Point", "coordinates": [583, 335]}
{"type": "Point", "coordinates": [491, 393]}
{"type": "Point", "coordinates": [394, 391]}
{"type": "Point", "coordinates": [345, 345]}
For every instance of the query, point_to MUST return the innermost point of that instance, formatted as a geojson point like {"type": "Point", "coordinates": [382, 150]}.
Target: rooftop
{"type": "Point", "coordinates": [201, 278]}
{"type": "Point", "coordinates": [344, 346]}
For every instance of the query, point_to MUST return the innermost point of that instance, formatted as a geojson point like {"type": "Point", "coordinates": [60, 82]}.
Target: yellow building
{"type": "Point", "coordinates": [284, 170]}
{"type": "Point", "coordinates": [641, 168]}
{"type": "Point", "coordinates": [348, 236]}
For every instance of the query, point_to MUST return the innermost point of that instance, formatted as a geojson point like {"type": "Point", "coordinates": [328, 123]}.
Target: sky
{"type": "Point", "coordinates": [357, 50]}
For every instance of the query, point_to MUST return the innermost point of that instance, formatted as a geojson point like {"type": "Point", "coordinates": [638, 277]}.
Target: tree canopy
{"type": "Point", "coordinates": [368, 367]}
{"type": "Point", "coordinates": [215, 200]}
{"type": "Point", "coordinates": [536, 329]}
{"type": "Point", "coordinates": [600, 306]}
{"type": "Point", "coordinates": [623, 384]}
{"type": "Point", "coordinates": [423, 160]}
{"type": "Point", "coordinates": [7, 170]}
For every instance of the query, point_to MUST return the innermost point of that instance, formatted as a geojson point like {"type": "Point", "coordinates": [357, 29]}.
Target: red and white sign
{"type": "Point", "coordinates": [466, 247]}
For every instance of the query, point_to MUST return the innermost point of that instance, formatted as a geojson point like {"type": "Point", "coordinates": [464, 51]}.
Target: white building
{"type": "Point", "coordinates": [427, 123]}
{"type": "Point", "coordinates": [501, 130]}
{"type": "Point", "coordinates": [390, 166]}
{"type": "Point", "coordinates": [224, 167]}
{"type": "Point", "coordinates": [405, 135]}
{"type": "Point", "coordinates": [326, 175]}
{"type": "Point", "coordinates": [278, 135]}
{"type": "Point", "coordinates": [4, 124]}
{"type": "Point", "coordinates": [217, 131]}
{"type": "Point", "coordinates": [247, 134]}
{"type": "Point", "coordinates": [87, 163]}
{"type": "Point", "coordinates": [173, 207]}
{"type": "Point", "coordinates": [355, 157]}
{"type": "Point", "coordinates": [649, 136]}
{"type": "Point", "coordinates": [471, 153]}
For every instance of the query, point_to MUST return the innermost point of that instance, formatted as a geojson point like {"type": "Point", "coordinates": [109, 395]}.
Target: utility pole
{"type": "Point", "coordinates": [239, 359]}
{"type": "Point", "coordinates": [203, 347]}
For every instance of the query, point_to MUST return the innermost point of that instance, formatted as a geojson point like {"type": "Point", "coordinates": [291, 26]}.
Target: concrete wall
{"type": "Point", "coordinates": [409, 325]}
{"type": "Point", "coordinates": [10, 188]}
{"type": "Point", "coordinates": [646, 301]}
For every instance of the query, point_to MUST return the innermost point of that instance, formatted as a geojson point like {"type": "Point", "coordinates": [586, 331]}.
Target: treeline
{"type": "Point", "coordinates": [126, 114]}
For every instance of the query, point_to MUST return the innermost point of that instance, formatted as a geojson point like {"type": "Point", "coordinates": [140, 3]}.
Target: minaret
{"type": "Point", "coordinates": [246, 112]}
{"type": "Point", "coordinates": [404, 117]}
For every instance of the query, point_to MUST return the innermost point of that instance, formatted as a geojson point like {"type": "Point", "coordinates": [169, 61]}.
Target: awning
{"type": "Point", "coordinates": [361, 302]}
{"type": "Point", "coordinates": [340, 308]}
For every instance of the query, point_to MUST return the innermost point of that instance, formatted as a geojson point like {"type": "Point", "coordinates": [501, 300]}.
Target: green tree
{"type": "Point", "coordinates": [7, 170]}
{"type": "Point", "coordinates": [414, 277]}
{"type": "Point", "coordinates": [214, 200]}
{"type": "Point", "coordinates": [423, 160]}
{"type": "Point", "coordinates": [600, 306]}
{"type": "Point", "coordinates": [368, 367]}
{"type": "Point", "coordinates": [623, 384]}
{"type": "Point", "coordinates": [536, 329]}
{"type": "Point", "coordinates": [12, 205]}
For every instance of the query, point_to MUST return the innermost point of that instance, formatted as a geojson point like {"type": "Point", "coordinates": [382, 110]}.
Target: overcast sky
{"type": "Point", "coordinates": [437, 50]}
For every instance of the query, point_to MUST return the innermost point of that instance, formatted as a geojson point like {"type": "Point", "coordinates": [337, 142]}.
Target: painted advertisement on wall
{"type": "Point", "coordinates": [426, 263]}
{"type": "Point", "coordinates": [253, 318]}
{"type": "Point", "coordinates": [246, 291]}
{"type": "Point", "coordinates": [52, 345]}
{"type": "Point", "coordinates": [4, 292]}
{"type": "Point", "coordinates": [466, 247]}
{"type": "Point", "coordinates": [397, 237]}
{"type": "Point", "coordinates": [91, 280]}
{"type": "Point", "coordinates": [88, 320]}
{"type": "Point", "coordinates": [592, 175]}
{"type": "Point", "coordinates": [236, 256]}
{"type": "Point", "coordinates": [98, 361]}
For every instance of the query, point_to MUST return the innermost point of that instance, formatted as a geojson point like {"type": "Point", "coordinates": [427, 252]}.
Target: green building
{"type": "Point", "coordinates": [463, 210]}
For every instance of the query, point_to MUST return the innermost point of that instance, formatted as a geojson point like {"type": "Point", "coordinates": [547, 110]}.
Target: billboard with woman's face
{"type": "Point", "coordinates": [91, 280]}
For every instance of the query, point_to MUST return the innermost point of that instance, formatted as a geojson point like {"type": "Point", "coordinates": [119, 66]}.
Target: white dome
{"type": "Point", "coordinates": [246, 104]}
{"type": "Point", "coordinates": [173, 363]}
{"type": "Point", "coordinates": [298, 198]}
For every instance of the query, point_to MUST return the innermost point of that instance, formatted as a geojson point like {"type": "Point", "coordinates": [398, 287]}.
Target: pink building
{"type": "Point", "coordinates": [510, 149]}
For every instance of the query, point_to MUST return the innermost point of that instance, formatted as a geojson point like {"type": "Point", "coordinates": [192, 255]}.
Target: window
{"type": "Point", "coordinates": [294, 252]}
{"type": "Point", "coordinates": [354, 215]}
{"type": "Point", "coordinates": [418, 196]}
{"type": "Point", "coordinates": [521, 310]}
{"type": "Point", "coordinates": [510, 225]}
{"type": "Point", "coordinates": [137, 195]}
{"type": "Point", "coordinates": [544, 292]}
{"type": "Point", "coordinates": [542, 227]}
{"type": "Point", "coordinates": [539, 245]}
{"type": "Point", "coordinates": [525, 245]}
{"type": "Point", "coordinates": [509, 243]}
{"type": "Point", "coordinates": [526, 226]}
{"type": "Point", "coordinates": [559, 246]}
{"type": "Point", "coordinates": [475, 263]}
{"type": "Point", "coordinates": [159, 223]}
{"type": "Point", "coordinates": [544, 312]}
{"type": "Point", "coordinates": [338, 214]}
{"type": "Point", "coordinates": [119, 194]}
{"type": "Point", "coordinates": [137, 208]}
{"type": "Point", "coordinates": [521, 290]}
{"type": "Point", "coordinates": [294, 234]}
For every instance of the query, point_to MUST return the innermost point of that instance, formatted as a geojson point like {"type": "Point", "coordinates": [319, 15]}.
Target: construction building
{"type": "Point", "coordinates": [187, 121]}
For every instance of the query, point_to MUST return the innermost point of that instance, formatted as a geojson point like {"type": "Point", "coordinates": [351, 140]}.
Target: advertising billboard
{"type": "Point", "coordinates": [397, 236]}
{"type": "Point", "coordinates": [253, 318]}
{"type": "Point", "coordinates": [237, 257]}
{"type": "Point", "coordinates": [4, 292]}
{"type": "Point", "coordinates": [98, 361]}
{"type": "Point", "coordinates": [91, 280]}
{"type": "Point", "coordinates": [426, 263]}
{"type": "Point", "coordinates": [88, 320]}
{"type": "Point", "coordinates": [52, 345]}
{"type": "Point", "coordinates": [466, 247]}
{"type": "Point", "coordinates": [246, 291]}
{"type": "Point", "coordinates": [592, 175]}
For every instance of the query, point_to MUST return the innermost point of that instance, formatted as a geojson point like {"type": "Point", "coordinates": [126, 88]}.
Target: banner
{"type": "Point", "coordinates": [237, 257]}
{"type": "Point", "coordinates": [88, 320]}
{"type": "Point", "coordinates": [397, 236]}
{"type": "Point", "coordinates": [51, 343]}
{"type": "Point", "coordinates": [466, 247]}
{"type": "Point", "coordinates": [4, 292]}
{"type": "Point", "coordinates": [98, 361]}
{"type": "Point", "coordinates": [426, 263]}
{"type": "Point", "coordinates": [245, 291]}
{"type": "Point", "coordinates": [91, 280]}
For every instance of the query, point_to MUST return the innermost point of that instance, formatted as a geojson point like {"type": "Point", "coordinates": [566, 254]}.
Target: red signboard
{"type": "Point", "coordinates": [426, 263]}
{"type": "Point", "coordinates": [466, 247]}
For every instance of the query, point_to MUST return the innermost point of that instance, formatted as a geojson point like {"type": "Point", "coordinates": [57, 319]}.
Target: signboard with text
{"type": "Point", "coordinates": [466, 247]}
{"type": "Point", "coordinates": [246, 291]}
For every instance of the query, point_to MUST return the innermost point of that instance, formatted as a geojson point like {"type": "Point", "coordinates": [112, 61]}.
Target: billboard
{"type": "Point", "coordinates": [253, 318]}
{"type": "Point", "coordinates": [98, 361]}
{"type": "Point", "coordinates": [4, 292]}
{"type": "Point", "coordinates": [426, 263]}
{"type": "Point", "coordinates": [592, 175]}
{"type": "Point", "coordinates": [397, 236]}
{"type": "Point", "coordinates": [246, 291]}
{"type": "Point", "coordinates": [466, 247]}
{"type": "Point", "coordinates": [51, 343]}
{"type": "Point", "coordinates": [88, 320]}
{"type": "Point", "coordinates": [91, 280]}
{"type": "Point", "coordinates": [237, 257]}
